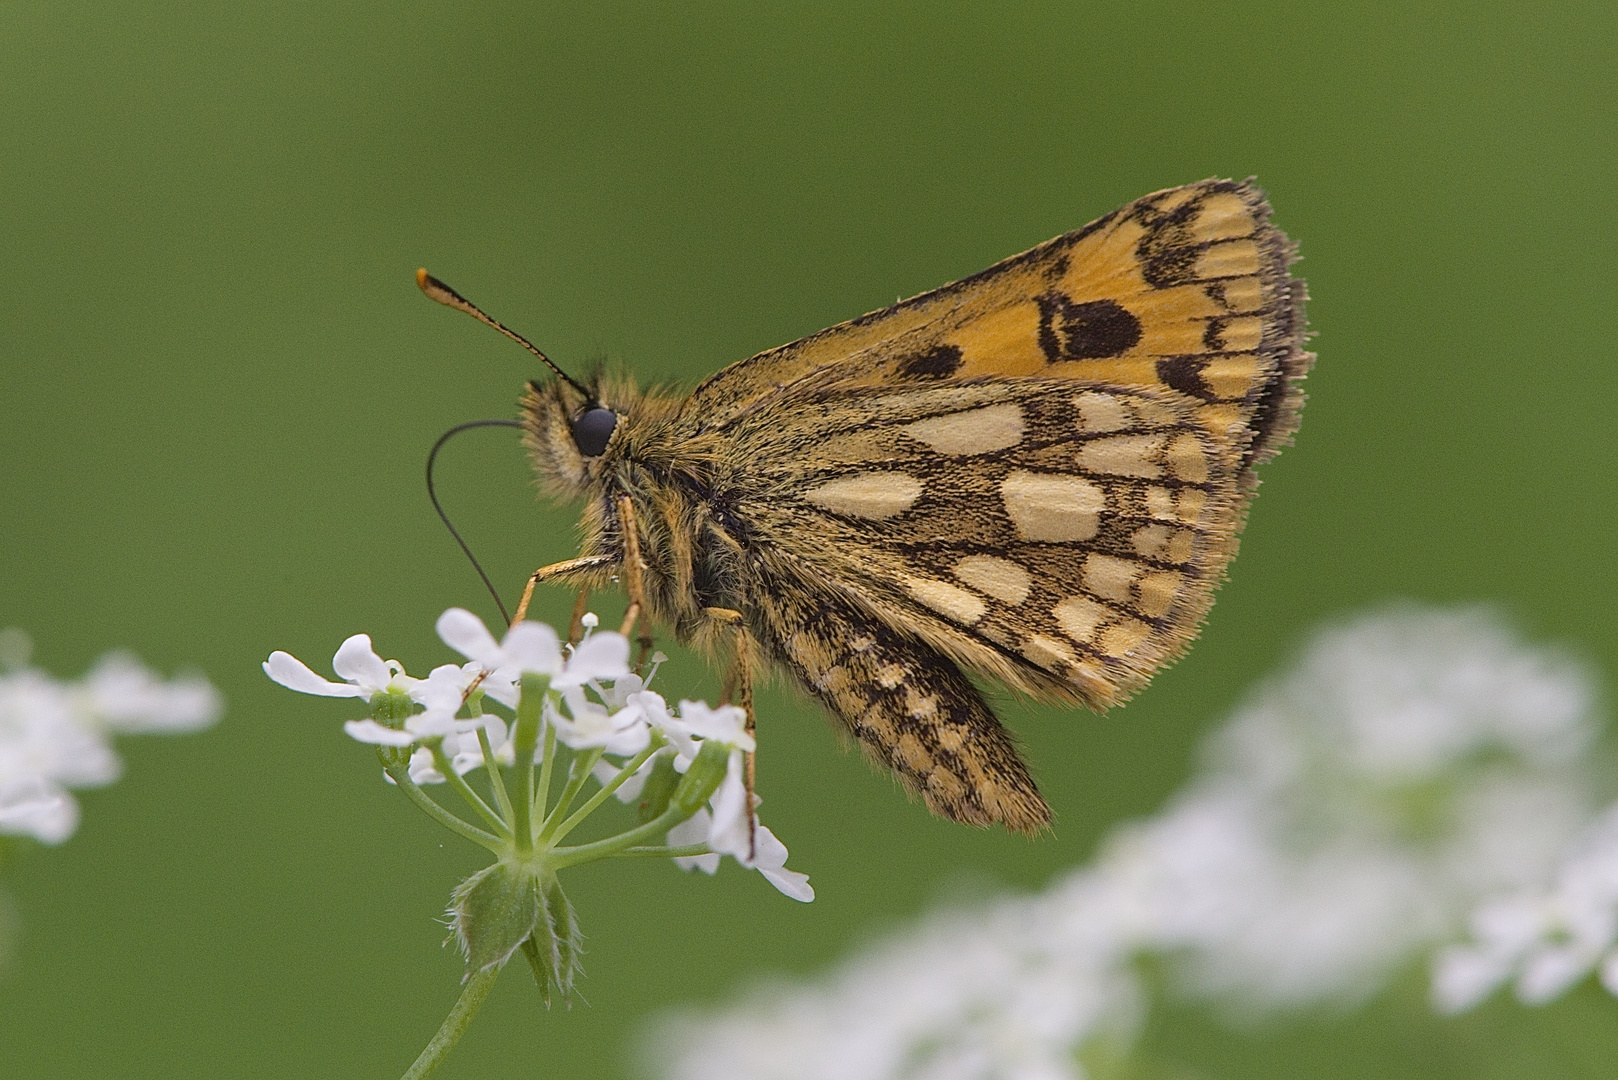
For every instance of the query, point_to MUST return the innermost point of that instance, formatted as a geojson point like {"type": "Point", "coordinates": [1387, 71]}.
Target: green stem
{"type": "Point", "coordinates": [401, 776]}
{"type": "Point", "coordinates": [685, 852]}
{"type": "Point", "coordinates": [524, 740]}
{"type": "Point", "coordinates": [455, 1024]}
{"type": "Point", "coordinates": [613, 845]}
{"type": "Point", "coordinates": [577, 774]}
{"type": "Point", "coordinates": [497, 781]}
{"type": "Point", "coordinates": [560, 832]}
{"type": "Point", "coordinates": [542, 796]}
{"type": "Point", "coordinates": [456, 781]}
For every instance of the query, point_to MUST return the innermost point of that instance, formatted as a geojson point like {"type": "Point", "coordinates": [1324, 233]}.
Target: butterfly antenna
{"type": "Point", "coordinates": [432, 494]}
{"type": "Point", "coordinates": [447, 296]}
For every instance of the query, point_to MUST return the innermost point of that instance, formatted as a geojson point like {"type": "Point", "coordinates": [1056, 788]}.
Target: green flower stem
{"type": "Point", "coordinates": [666, 852]}
{"type": "Point", "coordinates": [455, 1024]}
{"type": "Point", "coordinates": [601, 849]}
{"type": "Point", "coordinates": [583, 762]}
{"type": "Point", "coordinates": [401, 776]}
{"type": "Point", "coordinates": [454, 779]}
{"type": "Point", "coordinates": [542, 796]}
{"type": "Point", "coordinates": [524, 741]}
{"type": "Point", "coordinates": [630, 768]}
{"type": "Point", "coordinates": [497, 782]}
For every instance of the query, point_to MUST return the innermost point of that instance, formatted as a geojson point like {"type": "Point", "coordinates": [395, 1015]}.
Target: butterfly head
{"type": "Point", "coordinates": [569, 434]}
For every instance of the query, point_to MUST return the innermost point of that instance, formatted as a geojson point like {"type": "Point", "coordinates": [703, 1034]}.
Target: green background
{"type": "Point", "coordinates": [218, 385]}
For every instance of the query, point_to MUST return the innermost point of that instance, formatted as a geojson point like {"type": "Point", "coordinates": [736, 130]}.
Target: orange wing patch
{"type": "Point", "coordinates": [1186, 291]}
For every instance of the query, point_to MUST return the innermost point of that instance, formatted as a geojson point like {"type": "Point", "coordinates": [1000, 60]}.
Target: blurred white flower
{"type": "Point", "coordinates": [1343, 822]}
{"type": "Point", "coordinates": [56, 735]}
{"type": "Point", "coordinates": [1545, 939]}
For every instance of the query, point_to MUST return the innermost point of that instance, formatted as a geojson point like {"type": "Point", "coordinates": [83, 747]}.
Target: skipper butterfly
{"type": "Point", "coordinates": [1035, 475]}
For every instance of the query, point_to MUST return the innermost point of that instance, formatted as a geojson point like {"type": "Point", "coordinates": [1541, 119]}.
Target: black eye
{"type": "Point", "coordinates": [592, 430]}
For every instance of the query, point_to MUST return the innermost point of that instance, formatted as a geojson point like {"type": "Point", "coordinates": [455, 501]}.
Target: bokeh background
{"type": "Point", "coordinates": [218, 385]}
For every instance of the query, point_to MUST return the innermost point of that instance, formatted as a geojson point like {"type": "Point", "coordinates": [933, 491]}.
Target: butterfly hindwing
{"type": "Point", "coordinates": [1062, 537]}
{"type": "Point", "coordinates": [910, 708]}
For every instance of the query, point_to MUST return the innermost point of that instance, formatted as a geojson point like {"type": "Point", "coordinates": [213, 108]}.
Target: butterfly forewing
{"type": "Point", "coordinates": [1186, 291]}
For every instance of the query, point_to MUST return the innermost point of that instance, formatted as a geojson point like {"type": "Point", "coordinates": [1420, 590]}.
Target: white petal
{"type": "Point", "coordinates": [465, 633]}
{"type": "Point", "coordinates": [790, 883]}
{"type": "Point", "coordinates": [769, 852]}
{"type": "Point", "coordinates": [630, 789]}
{"type": "Point", "coordinates": [533, 647]}
{"type": "Point", "coordinates": [726, 724]}
{"type": "Point", "coordinates": [729, 833]}
{"type": "Point", "coordinates": [432, 722]}
{"type": "Point", "coordinates": [357, 662]}
{"type": "Point", "coordinates": [294, 674]}
{"type": "Point", "coordinates": [693, 830]}
{"type": "Point", "coordinates": [600, 656]}
{"type": "Point", "coordinates": [39, 809]}
{"type": "Point", "coordinates": [1463, 976]}
{"type": "Point", "coordinates": [422, 769]}
{"type": "Point", "coordinates": [628, 740]}
{"type": "Point", "coordinates": [501, 686]}
{"type": "Point", "coordinates": [1609, 973]}
{"type": "Point", "coordinates": [443, 687]}
{"type": "Point", "coordinates": [369, 731]}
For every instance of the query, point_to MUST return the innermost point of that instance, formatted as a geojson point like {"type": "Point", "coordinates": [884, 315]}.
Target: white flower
{"type": "Point", "coordinates": [364, 673]}
{"type": "Point", "coordinates": [1547, 939]}
{"type": "Point", "coordinates": [55, 735]}
{"type": "Point", "coordinates": [33, 806]}
{"type": "Point", "coordinates": [532, 647]}
{"type": "Point", "coordinates": [724, 826]}
{"type": "Point", "coordinates": [588, 724]}
{"type": "Point", "coordinates": [1342, 823]}
{"type": "Point", "coordinates": [130, 699]}
{"type": "Point", "coordinates": [699, 721]}
{"type": "Point", "coordinates": [606, 771]}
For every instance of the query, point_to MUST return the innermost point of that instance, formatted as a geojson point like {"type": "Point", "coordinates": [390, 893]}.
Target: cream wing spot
{"type": "Point", "coordinates": [1110, 578]}
{"type": "Point", "coordinates": [1047, 652]}
{"type": "Point", "coordinates": [1123, 455]}
{"type": "Point", "coordinates": [1230, 258]}
{"type": "Point", "coordinates": [1186, 459]}
{"type": "Point", "coordinates": [874, 495]}
{"type": "Point", "coordinates": [1121, 638]}
{"type": "Point", "coordinates": [1150, 541]}
{"type": "Point", "coordinates": [1156, 591]}
{"type": "Point", "coordinates": [1223, 217]}
{"type": "Point", "coordinates": [1000, 578]}
{"type": "Point", "coordinates": [1051, 507]}
{"type": "Point", "coordinates": [976, 431]}
{"type": "Point", "coordinates": [1103, 412]}
{"type": "Point", "coordinates": [1080, 618]}
{"type": "Point", "coordinates": [946, 599]}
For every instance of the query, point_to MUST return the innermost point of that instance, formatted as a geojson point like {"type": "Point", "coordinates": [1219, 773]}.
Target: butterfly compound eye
{"type": "Point", "coordinates": [592, 430]}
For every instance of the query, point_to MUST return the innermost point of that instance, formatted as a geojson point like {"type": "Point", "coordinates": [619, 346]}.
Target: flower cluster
{"type": "Point", "coordinates": [1545, 939]}
{"type": "Point", "coordinates": [1342, 823]}
{"type": "Point", "coordinates": [596, 707]}
{"type": "Point", "coordinates": [56, 735]}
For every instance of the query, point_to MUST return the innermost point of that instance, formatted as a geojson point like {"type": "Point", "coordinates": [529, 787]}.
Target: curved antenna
{"type": "Point", "coordinates": [432, 455]}
{"type": "Point", "coordinates": [437, 290]}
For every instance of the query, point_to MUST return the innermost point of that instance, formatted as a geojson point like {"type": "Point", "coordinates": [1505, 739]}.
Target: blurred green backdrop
{"type": "Point", "coordinates": [219, 383]}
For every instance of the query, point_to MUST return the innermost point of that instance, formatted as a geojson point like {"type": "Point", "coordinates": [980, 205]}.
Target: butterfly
{"type": "Point", "coordinates": [1035, 475]}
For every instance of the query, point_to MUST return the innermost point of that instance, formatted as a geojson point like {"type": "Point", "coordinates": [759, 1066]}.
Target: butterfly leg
{"type": "Point", "coordinates": [634, 584]}
{"type": "Point", "coordinates": [561, 569]}
{"type": "Point", "coordinates": [738, 690]}
{"type": "Point", "coordinates": [575, 625]}
{"type": "Point", "coordinates": [910, 707]}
